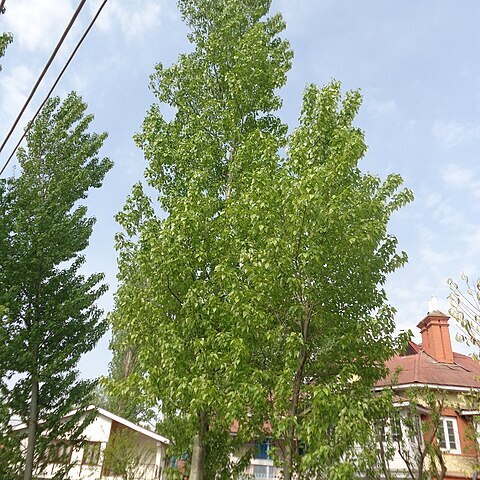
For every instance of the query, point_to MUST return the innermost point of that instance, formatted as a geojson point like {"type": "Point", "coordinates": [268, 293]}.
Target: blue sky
{"type": "Point", "coordinates": [415, 63]}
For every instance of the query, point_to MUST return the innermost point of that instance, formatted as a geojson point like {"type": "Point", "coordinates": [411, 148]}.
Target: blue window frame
{"type": "Point", "coordinates": [262, 450]}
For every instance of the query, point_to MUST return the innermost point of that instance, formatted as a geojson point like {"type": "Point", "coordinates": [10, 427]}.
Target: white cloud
{"type": "Point", "coordinates": [382, 108]}
{"type": "Point", "coordinates": [79, 81]}
{"type": "Point", "coordinates": [37, 24]}
{"type": "Point", "coordinates": [131, 163]}
{"type": "Point", "coordinates": [442, 211]}
{"type": "Point", "coordinates": [471, 237]}
{"type": "Point", "coordinates": [452, 133]}
{"type": "Point", "coordinates": [410, 125]}
{"type": "Point", "coordinates": [432, 253]}
{"type": "Point", "coordinates": [455, 176]}
{"type": "Point", "coordinates": [134, 18]}
{"type": "Point", "coordinates": [432, 200]}
{"type": "Point", "coordinates": [432, 257]}
{"type": "Point", "coordinates": [14, 88]}
{"type": "Point", "coordinates": [413, 307]}
{"type": "Point", "coordinates": [300, 12]}
{"type": "Point", "coordinates": [449, 216]}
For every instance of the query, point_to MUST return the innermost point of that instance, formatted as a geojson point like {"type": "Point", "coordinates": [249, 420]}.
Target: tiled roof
{"type": "Point", "coordinates": [417, 367]}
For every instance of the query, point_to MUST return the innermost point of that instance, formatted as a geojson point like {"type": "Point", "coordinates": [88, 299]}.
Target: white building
{"type": "Point", "coordinates": [145, 449]}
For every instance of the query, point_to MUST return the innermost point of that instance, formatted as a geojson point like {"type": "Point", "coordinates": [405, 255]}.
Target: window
{"type": "Point", "coordinates": [448, 435]}
{"type": "Point", "coordinates": [301, 449]}
{"type": "Point", "coordinates": [91, 453]}
{"type": "Point", "coordinates": [262, 450]}
{"type": "Point", "coordinates": [396, 429]}
{"type": "Point", "coordinates": [417, 431]}
{"type": "Point", "coordinates": [60, 452]}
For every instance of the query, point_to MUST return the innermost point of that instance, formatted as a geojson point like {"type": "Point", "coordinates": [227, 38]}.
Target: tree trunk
{"type": "Point", "coordinates": [197, 470]}
{"type": "Point", "coordinates": [290, 440]}
{"type": "Point", "coordinates": [32, 430]}
{"type": "Point", "coordinates": [288, 460]}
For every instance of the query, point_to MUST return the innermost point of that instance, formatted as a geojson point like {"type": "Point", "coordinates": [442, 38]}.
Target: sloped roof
{"type": "Point", "coordinates": [133, 426]}
{"type": "Point", "coordinates": [118, 419]}
{"type": "Point", "coordinates": [417, 367]}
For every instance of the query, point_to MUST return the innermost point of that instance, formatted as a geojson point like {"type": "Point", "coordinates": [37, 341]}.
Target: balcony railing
{"type": "Point", "coordinates": [262, 470]}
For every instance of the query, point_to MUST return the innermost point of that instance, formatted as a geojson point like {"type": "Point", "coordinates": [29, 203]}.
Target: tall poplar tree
{"type": "Point", "coordinates": [120, 392]}
{"type": "Point", "coordinates": [174, 299]}
{"type": "Point", "coordinates": [50, 317]}
{"type": "Point", "coordinates": [314, 274]}
{"type": "Point", "coordinates": [10, 455]}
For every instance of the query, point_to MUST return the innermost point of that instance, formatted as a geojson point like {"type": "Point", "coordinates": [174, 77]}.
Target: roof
{"type": "Point", "coordinates": [418, 367]}
{"type": "Point", "coordinates": [118, 419]}
{"type": "Point", "coordinates": [133, 426]}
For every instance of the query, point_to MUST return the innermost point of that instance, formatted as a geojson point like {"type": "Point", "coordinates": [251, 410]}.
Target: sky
{"type": "Point", "coordinates": [415, 63]}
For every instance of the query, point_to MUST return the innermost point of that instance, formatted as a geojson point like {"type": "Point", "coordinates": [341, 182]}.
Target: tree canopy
{"type": "Point", "coordinates": [50, 318]}
{"type": "Point", "coordinates": [175, 297]}
{"type": "Point", "coordinates": [313, 275]}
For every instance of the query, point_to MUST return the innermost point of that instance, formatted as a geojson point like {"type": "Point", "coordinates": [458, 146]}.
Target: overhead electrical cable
{"type": "Point", "coordinates": [44, 71]}
{"type": "Point", "coordinates": [54, 84]}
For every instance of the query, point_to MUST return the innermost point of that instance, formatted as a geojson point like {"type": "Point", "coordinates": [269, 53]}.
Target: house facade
{"type": "Point", "coordinates": [433, 368]}
{"type": "Point", "coordinates": [113, 445]}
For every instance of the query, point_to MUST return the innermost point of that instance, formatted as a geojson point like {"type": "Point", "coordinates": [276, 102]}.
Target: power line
{"type": "Point", "coordinates": [55, 84]}
{"type": "Point", "coordinates": [44, 71]}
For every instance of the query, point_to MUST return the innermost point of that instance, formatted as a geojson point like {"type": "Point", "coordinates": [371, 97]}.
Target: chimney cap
{"type": "Point", "coordinates": [430, 315]}
{"type": "Point", "coordinates": [436, 313]}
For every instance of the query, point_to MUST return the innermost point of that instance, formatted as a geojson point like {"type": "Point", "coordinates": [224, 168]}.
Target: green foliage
{"type": "Point", "coordinates": [121, 394]}
{"type": "Point", "coordinates": [314, 276]}
{"type": "Point", "coordinates": [259, 297]}
{"type": "Point", "coordinates": [125, 456]}
{"type": "Point", "coordinates": [51, 318]}
{"type": "Point", "coordinates": [5, 40]}
{"type": "Point", "coordinates": [10, 451]}
{"type": "Point", "coordinates": [175, 297]}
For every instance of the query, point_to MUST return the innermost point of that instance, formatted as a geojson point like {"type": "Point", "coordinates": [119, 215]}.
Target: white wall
{"type": "Point", "coordinates": [99, 431]}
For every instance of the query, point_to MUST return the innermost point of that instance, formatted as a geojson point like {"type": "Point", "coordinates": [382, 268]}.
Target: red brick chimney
{"type": "Point", "coordinates": [436, 337]}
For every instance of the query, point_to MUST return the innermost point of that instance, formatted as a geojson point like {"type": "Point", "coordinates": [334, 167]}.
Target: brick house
{"type": "Point", "coordinates": [435, 366]}
{"type": "Point", "coordinates": [431, 365]}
